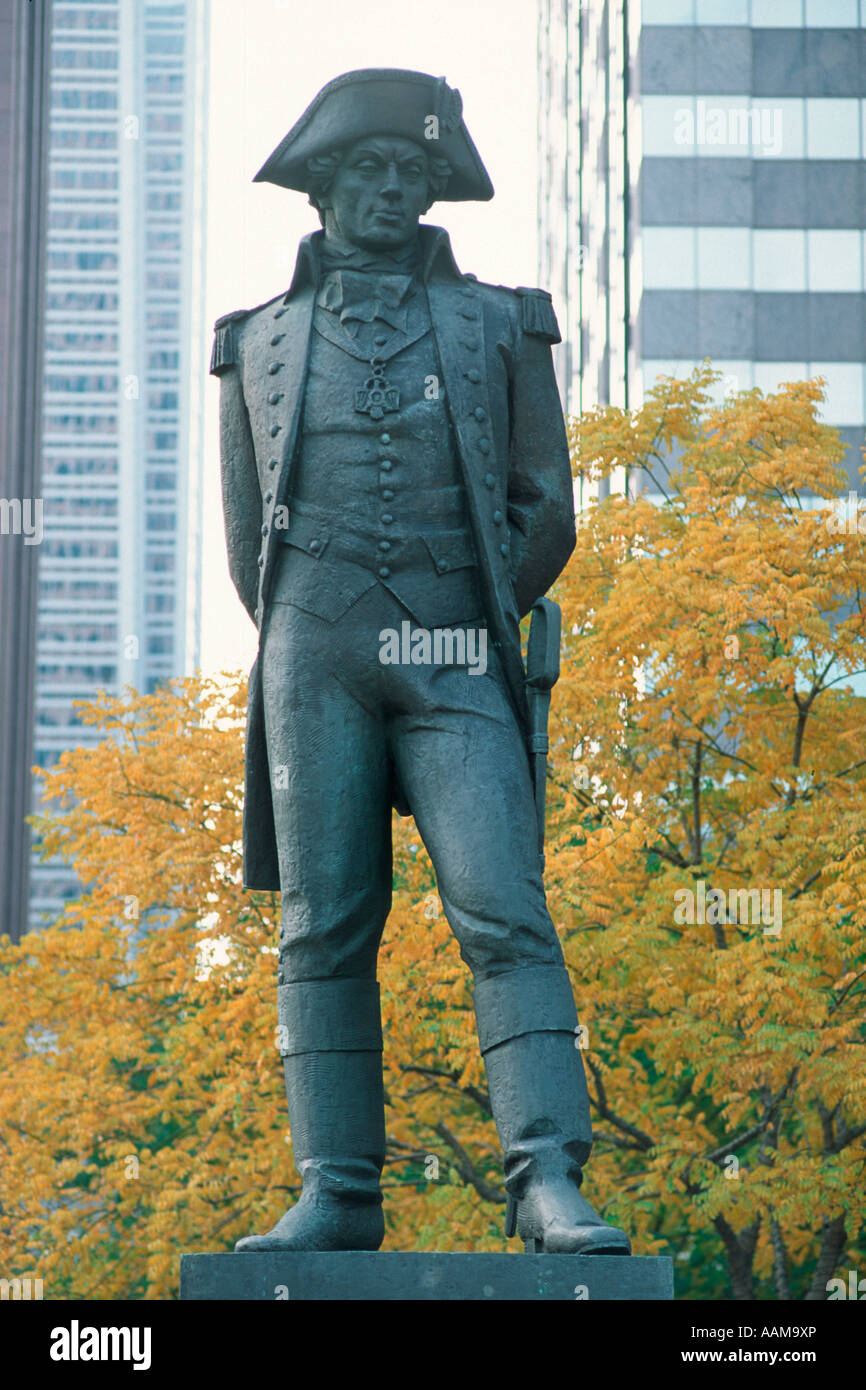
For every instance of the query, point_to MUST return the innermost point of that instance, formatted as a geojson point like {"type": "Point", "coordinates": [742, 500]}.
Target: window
{"type": "Point", "coordinates": [834, 260]}
{"type": "Point", "coordinates": [84, 58]}
{"type": "Point", "coordinates": [91, 381]}
{"type": "Point", "coordinates": [164, 202]}
{"type": "Point", "coordinates": [668, 258]}
{"type": "Point", "coordinates": [164, 43]}
{"type": "Point", "coordinates": [780, 260]}
{"type": "Point", "coordinates": [164, 161]}
{"type": "Point", "coordinates": [159, 562]}
{"type": "Point", "coordinates": [80, 343]}
{"type": "Point", "coordinates": [162, 400]}
{"type": "Point", "coordinates": [74, 98]}
{"type": "Point", "coordinates": [73, 301]}
{"type": "Point", "coordinates": [82, 260]}
{"type": "Point", "coordinates": [832, 128]}
{"type": "Point", "coordinates": [164, 361]}
{"type": "Point", "coordinates": [723, 258]}
{"type": "Point", "coordinates": [83, 221]}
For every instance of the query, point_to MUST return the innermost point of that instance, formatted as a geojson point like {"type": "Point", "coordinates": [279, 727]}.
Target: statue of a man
{"type": "Point", "coordinates": [394, 461]}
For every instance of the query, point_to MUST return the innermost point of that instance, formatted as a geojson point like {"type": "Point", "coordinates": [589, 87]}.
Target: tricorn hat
{"type": "Point", "coordinates": [382, 101]}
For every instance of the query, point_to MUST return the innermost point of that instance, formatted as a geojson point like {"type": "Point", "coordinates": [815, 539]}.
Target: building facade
{"type": "Point", "coordinates": [703, 194]}
{"type": "Point", "coordinates": [24, 73]}
{"type": "Point", "coordinates": [124, 366]}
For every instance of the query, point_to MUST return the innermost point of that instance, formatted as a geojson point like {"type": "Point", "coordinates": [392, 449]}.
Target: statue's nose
{"type": "Point", "coordinates": [392, 187]}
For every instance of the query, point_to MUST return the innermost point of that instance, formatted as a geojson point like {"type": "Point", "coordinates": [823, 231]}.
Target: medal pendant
{"type": "Point", "coordinates": [376, 398]}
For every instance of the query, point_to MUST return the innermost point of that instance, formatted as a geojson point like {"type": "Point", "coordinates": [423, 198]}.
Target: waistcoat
{"type": "Point", "coordinates": [377, 495]}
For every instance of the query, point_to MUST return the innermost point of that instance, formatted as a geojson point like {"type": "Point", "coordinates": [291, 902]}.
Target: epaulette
{"type": "Point", "coordinates": [223, 355]}
{"type": "Point", "coordinates": [537, 314]}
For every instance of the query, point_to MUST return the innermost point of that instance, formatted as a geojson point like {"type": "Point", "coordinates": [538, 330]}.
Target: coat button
{"type": "Point", "coordinates": [387, 495]}
{"type": "Point", "coordinates": [269, 496]}
{"type": "Point", "coordinates": [503, 550]}
{"type": "Point", "coordinates": [384, 572]}
{"type": "Point", "coordinates": [278, 313]}
{"type": "Point", "coordinates": [497, 518]}
{"type": "Point", "coordinates": [442, 566]}
{"type": "Point", "coordinates": [277, 338]}
{"type": "Point", "coordinates": [384, 439]}
{"type": "Point", "coordinates": [275, 429]}
{"type": "Point", "coordinates": [386, 518]}
{"type": "Point", "coordinates": [261, 561]}
{"type": "Point", "coordinates": [473, 375]}
{"type": "Point", "coordinates": [265, 530]}
{"type": "Point", "coordinates": [315, 547]}
{"type": "Point", "coordinates": [272, 463]}
{"type": "Point", "coordinates": [484, 446]}
{"type": "Point", "coordinates": [274, 397]}
{"type": "Point", "coordinates": [384, 545]}
{"type": "Point", "coordinates": [274, 368]}
{"type": "Point", "coordinates": [387, 465]}
{"type": "Point", "coordinates": [467, 314]}
{"type": "Point", "coordinates": [489, 481]}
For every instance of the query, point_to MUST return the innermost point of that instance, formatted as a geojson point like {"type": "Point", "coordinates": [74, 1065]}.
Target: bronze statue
{"type": "Point", "coordinates": [394, 460]}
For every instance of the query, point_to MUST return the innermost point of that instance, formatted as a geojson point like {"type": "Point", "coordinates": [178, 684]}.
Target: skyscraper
{"type": "Point", "coordinates": [703, 194]}
{"type": "Point", "coordinates": [124, 367]}
{"type": "Point", "coordinates": [24, 50]}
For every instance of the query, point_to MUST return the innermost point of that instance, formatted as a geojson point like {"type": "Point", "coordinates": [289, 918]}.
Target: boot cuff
{"type": "Point", "coordinates": [535, 999]}
{"type": "Point", "coordinates": [329, 1016]}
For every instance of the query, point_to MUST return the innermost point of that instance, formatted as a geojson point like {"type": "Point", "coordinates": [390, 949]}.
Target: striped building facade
{"type": "Point", "coordinates": [703, 194]}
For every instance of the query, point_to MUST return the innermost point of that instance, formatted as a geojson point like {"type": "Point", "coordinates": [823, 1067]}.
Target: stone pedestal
{"type": "Point", "coordinates": [415, 1276]}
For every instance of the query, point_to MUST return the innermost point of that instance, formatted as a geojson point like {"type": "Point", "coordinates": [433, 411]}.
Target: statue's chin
{"type": "Point", "coordinates": [386, 240]}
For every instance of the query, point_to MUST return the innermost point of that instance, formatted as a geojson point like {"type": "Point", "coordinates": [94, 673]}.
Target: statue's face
{"type": "Point", "coordinates": [379, 191]}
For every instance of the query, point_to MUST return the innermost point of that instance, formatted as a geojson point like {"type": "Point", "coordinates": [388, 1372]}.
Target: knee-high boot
{"type": "Point", "coordinates": [331, 1038]}
{"type": "Point", "coordinates": [526, 1027]}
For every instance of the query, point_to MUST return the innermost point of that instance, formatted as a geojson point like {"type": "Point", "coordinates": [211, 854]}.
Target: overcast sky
{"type": "Point", "coordinates": [269, 58]}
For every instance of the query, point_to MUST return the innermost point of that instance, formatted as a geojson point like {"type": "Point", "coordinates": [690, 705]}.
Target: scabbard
{"type": "Point", "coordinates": [542, 673]}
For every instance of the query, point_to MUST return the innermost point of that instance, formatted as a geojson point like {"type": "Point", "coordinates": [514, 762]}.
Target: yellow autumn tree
{"type": "Point", "coordinates": [705, 871]}
{"type": "Point", "coordinates": [709, 836]}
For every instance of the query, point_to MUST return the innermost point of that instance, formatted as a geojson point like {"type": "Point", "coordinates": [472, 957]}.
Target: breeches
{"type": "Point", "coordinates": [339, 725]}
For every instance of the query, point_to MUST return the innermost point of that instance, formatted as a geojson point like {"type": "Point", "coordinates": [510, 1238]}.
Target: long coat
{"type": "Point", "coordinates": [500, 390]}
